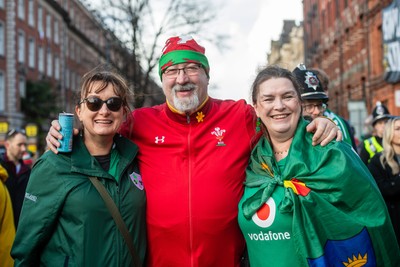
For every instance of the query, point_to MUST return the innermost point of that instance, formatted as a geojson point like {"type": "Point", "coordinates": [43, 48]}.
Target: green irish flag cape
{"type": "Point", "coordinates": [339, 215]}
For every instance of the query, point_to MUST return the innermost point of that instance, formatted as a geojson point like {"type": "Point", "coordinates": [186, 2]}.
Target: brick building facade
{"type": "Point", "coordinates": [55, 41]}
{"type": "Point", "coordinates": [344, 38]}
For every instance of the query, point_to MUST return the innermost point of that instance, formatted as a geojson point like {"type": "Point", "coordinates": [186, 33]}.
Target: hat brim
{"type": "Point", "coordinates": [314, 95]}
{"type": "Point", "coordinates": [381, 117]}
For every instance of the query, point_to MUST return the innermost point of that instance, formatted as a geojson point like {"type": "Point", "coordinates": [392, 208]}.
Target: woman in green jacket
{"type": "Point", "coordinates": [64, 220]}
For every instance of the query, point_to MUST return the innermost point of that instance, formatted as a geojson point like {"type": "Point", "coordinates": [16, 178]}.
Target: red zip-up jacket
{"type": "Point", "coordinates": [193, 169]}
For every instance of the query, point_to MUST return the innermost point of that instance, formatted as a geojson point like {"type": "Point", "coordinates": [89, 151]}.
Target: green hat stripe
{"type": "Point", "coordinates": [182, 56]}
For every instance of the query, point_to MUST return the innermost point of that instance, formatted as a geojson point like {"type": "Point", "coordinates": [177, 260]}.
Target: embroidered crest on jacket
{"type": "Point", "coordinates": [219, 134]}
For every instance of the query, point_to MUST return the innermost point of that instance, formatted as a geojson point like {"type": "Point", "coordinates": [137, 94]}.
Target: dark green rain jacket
{"type": "Point", "coordinates": [64, 220]}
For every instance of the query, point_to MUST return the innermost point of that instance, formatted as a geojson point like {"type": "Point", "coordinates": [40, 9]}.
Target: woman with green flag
{"type": "Point", "coordinates": [306, 205]}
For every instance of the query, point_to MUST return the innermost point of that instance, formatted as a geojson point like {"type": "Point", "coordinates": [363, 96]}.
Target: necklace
{"type": "Point", "coordinates": [280, 153]}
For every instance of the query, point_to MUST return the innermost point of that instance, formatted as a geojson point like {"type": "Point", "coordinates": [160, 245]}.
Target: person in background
{"type": "Point", "coordinates": [7, 228]}
{"type": "Point", "coordinates": [344, 125]}
{"type": "Point", "coordinates": [64, 220]}
{"type": "Point", "coordinates": [315, 100]}
{"type": "Point", "coordinates": [18, 171]}
{"type": "Point", "coordinates": [298, 207]}
{"type": "Point", "coordinates": [373, 145]}
{"type": "Point", "coordinates": [193, 151]}
{"type": "Point", "coordinates": [313, 97]}
{"type": "Point", "coordinates": [385, 168]}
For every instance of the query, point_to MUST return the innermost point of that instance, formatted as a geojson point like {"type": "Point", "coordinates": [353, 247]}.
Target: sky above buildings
{"type": "Point", "coordinates": [251, 25]}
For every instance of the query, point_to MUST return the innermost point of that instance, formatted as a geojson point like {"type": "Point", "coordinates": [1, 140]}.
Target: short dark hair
{"type": "Point", "coordinates": [13, 132]}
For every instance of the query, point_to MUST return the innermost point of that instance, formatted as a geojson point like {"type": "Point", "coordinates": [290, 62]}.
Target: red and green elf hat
{"type": "Point", "coordinates": [182, 49]}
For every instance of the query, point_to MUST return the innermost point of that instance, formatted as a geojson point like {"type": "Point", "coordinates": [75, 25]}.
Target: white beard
{"type": "Point", "coordinates": [186, 104]}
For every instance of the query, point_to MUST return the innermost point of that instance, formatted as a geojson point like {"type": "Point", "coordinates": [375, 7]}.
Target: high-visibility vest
{"type": "Point", "coordinates": [372, 146]}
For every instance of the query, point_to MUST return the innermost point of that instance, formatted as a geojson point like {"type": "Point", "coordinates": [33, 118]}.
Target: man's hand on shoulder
{"type": "Point", "coordinates": [325, 130]}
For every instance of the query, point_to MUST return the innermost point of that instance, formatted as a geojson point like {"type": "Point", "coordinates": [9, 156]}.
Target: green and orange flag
{"type": "Point", "coordinates": [339, 215]}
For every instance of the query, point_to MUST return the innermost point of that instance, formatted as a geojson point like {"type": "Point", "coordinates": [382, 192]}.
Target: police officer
{"type": "Point", "coordinates": [372, 145]}
{"type": "Point", "coordinates": [314, 95]}
{"type": "Point", "coordinates": [342, 123]}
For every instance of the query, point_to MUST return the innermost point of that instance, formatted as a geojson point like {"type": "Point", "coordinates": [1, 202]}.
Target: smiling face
{"type": "Point", "coordinates": [103, 123]}
{"type": "Point", "coordinates": [278, 106]}
{"type": "Point", "coordinates": [186, 91]}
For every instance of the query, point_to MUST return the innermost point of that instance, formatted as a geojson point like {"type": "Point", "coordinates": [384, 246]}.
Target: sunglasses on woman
{"type": "Point", "coordinates": [94, 103]}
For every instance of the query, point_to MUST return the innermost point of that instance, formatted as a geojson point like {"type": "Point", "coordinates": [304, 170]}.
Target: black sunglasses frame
{"type": "Point", "coordinates": [95, 103]}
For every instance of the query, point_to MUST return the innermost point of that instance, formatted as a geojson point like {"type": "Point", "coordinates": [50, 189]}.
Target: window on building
{"type": "Point", "coordinates": [21, 47]}
{"type": "Point", "coordinates": [56, 32]}
{"type": "Point", "coordinates": [2, 4]}
{"type": "Point", "coordinates": [2, 93]}
{"type": "Point", "coordinates": [57, 68]}
{"type": "Point", "coordinates": [31, 10]}
{"type": "Point", "coordinates": [78, 53]}
{"type": "Point", "coordinates": [2, 39]}
{"type": "Point", "coordinates": [40, 21]}
{"type": "Point", "coordinates": [48, 26]}
{"type": "Point", "coordinates": [72, 75]}
{"type": "Point", "coordinates": [41, 59]}
{"type": "Point", "coordinates": [21, 9]}
{"type": "Point", "coordinates": [72, 14]}
{"type": "Point", "coordinates": [49, 63]}
{"type": "Point", "coordinates": [67, 81]}
{"type": "Point", "coordinates": [32, 53]}
{"type": "Point", "coordinates": [22, 87]}
{"type": "Point", "coordinates": [72, 48]}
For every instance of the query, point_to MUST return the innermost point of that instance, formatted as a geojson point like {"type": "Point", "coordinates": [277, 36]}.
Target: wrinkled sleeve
{"type": "Point", "coordinates": [42, 204]}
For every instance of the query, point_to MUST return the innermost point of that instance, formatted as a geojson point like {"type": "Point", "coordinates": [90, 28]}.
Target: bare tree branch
{"type": "Point", "coordinates": [140, 25]}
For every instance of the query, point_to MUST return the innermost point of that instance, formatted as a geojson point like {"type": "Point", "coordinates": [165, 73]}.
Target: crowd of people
{"type": "Point", "coordinates": [199, 181]}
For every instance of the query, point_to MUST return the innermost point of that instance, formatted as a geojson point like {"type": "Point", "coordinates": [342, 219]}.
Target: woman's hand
{"type": "Point", "coordinates": [54, 135]}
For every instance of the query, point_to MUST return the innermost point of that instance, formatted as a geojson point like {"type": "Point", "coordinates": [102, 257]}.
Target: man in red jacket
{"type": "Point", "coordinates": [193, 152]}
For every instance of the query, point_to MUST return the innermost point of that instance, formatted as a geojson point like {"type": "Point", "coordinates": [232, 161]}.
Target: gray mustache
{"type": "Point", "coordinates": [185, 87]}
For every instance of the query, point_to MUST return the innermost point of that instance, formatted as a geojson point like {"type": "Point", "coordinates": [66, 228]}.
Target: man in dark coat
{"type": "Point", "coordinates": [16, 146]}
